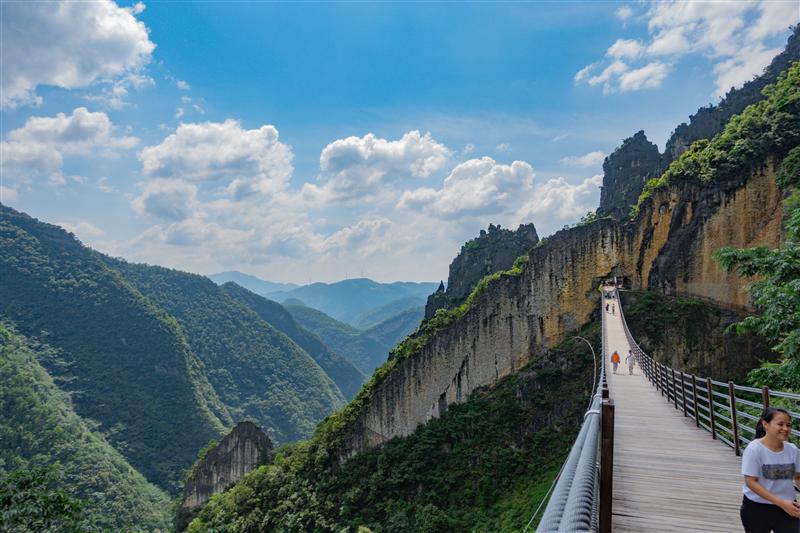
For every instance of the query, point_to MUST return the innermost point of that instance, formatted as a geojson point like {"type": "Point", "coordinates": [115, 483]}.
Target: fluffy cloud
{"type": "Point", "coordinates": [623, 48]}
{"type": "Point", "coordinates": [68, 45]}
{"type": "Point", "coordinates": [365, 238]}
{"type": "Point", "coordinates": [649, 76]}
{"type": "Point", "coordinates": [624, 13]}
{"type": "Point", "coordinates": [166, 199]}
{"type": "Point", "coordinates": [734, 36]}
{"type": "Point", "coordinates": [247, 161]}
{"type": "Point", "coordinates": [477, 186]}
{"type": "Point", "coordinates": [557, 199]}
{"type": "Point", "coordinates": [587, 160]}
{"type": "Point", "coordinates": [7, 194]}
{"type": "Point", "coordinates": [38, 148]}
{"type": "Point", "coordinates": [356, 167]}
{"type": "Point", "coordinates": [82, 229]}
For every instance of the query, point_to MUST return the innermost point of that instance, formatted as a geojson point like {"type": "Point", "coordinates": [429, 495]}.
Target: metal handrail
{"type": "Point", "coordinates": [737, 414]}
{"type": "Point", "coordinates": [575, 501]}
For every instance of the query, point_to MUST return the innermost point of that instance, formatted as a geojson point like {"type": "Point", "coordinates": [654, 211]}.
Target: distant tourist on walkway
{"type": "Point", "coordinates": [615, 360]}
{"type": "Point", "coordinates": [606, 308]}
{"type": "Point", "coordinates": [612, 309]}
{"type": "Point", "coordinates": [630, 360]}
{"type": "Point", "coordinates": [769, 464]}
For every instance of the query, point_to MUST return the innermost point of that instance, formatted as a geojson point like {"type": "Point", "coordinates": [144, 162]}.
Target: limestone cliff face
{"type": "Point", "coordinates": [624, 174]}
{"type": "Point", "coordinates": [668, 248]}
{"type": "Point", "coordinates": [490, 252]}
{"type": "Point", "coordinates": [242, 450]}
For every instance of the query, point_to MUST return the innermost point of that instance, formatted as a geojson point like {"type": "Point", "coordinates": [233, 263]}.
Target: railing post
{"type": "Point", "coordinates": [683, 392]}
{"type": "Point", "coordinates": [606, 465]}
{"type": "Point", "coordinates": [765, 397]}
{"type": "Point", "coordinates": [734, 422]}
{"type": "Point", "coordinates": [711, 411]}
{"type": "Point", "coordinates": [696, 403]}
{"type": "Point", "coordinates": [674, 389]}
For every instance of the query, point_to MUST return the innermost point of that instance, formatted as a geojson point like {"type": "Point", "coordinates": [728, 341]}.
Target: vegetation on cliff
{"type": "Point", "coordinates": [484, 465]}
{"type": "Point", "coordinates": [346, 376]}
{"type": "Point", "coordinates": [769, 128]}
{"type": "Point", "coordinates": [50, 457]}
{"type": "Point", "coordinates": [125, 361]}
{"type": "Point", "coordinates": [776, 292]}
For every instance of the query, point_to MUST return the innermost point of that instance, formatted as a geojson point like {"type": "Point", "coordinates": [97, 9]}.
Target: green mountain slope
{"type": "Point", "coordinates": [364, 352]}
{"type": "Point", "coordinates": [125, 361]}
{"type": "Point", "coordinates": [39, 427]}
{"type": "Point", "coordinates": [346, 376]}
{"type": "Point", "coordinates": [251, 283]}
{"type": "Point", "coordinates": [347, 300]}
{"type": "Point", "coordinates": [375, 316]}
{"type": "Point", "coordinates": [396, 328]}
{"type": "Point", "coordinates": [483, 466]}
{"type": "Point", "coordinates": [257, 371]}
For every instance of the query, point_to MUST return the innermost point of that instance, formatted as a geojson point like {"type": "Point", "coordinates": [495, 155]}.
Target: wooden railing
{"type": "Point", "coordinates": [727, 410]}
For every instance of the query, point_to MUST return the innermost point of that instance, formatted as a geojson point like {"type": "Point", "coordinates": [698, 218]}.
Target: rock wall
{"type": "Point", "coordinates": [624, 174]}
{"type": "Point", "coordinates": [239, 452]}
{"type": "Point", "coordinates": [668, 248]}
{"type": "Point", "coordinates": [490, 252]}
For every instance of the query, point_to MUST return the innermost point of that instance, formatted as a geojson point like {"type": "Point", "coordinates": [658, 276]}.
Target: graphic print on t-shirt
{"type": "Point", "coordinates": [784, 471]}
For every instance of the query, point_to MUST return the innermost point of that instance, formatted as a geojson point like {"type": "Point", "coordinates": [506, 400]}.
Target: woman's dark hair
{"type": "Point", "coordinates": [766, 416]}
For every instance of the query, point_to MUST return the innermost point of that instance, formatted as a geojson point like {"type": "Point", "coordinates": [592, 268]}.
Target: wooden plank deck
{"type": "Point", "coordinates": [668, 474]}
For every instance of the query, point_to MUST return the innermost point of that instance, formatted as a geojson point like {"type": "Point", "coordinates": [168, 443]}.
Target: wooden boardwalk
{"type": "Point", "coordinates": [668, 474]}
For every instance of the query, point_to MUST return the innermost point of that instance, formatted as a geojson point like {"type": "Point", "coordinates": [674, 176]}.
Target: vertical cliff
{"type": "Point", "coordinates": [239, 452]}
{"type": "Point", "coordinates": [516, 318]}
{"type": "Point", "coordinates": [624, 174]}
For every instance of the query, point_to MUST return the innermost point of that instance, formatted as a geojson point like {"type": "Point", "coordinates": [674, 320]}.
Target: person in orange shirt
{"type": "Point", "coordinates": [615, 360]}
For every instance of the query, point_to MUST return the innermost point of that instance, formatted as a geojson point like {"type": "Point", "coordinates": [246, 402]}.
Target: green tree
{"type": "Point", "coordinates": [777, 291]}
{"type": "Point", "coordinates": [32, 500]}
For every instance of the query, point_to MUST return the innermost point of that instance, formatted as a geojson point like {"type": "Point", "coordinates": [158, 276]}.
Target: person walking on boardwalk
{"type": "Point", "coordinates": [612, 309]}
{"type": "Point", "coordinates": [769, 464]}
{"type": "Point", "coordinates": [630, 360]}
{"type": "Point", "coordinates": [615, 360]}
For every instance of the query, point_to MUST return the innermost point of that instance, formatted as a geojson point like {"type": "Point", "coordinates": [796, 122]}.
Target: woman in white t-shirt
{"type": "Point", "coordinates": [770, 464]}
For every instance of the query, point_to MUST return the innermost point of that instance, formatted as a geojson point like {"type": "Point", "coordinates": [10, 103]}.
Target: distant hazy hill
{"type": "Point", "coordinates": [39, 428]}
{"type": "Point", "coordinates": [373, 317]}
{"type": "Point", "coordinates": [258, 372]}
{"type": "Point", "coordinates": [251, 283]}
{"type": "Point", "coordinates": [123, 359]}
{"type": "Point", "coordinates": [365, 349]}
{"type": "Point", "coordinates": [341, 370]}
{"type": "Point", "coordinates": [350, 299]}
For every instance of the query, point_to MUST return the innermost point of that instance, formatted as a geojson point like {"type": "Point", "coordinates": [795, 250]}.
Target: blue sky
{"type": "Point", "coordinates": [316, 141]}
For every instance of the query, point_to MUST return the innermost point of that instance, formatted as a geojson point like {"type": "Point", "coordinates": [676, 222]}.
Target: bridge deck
{"type": "Point", "coordinates": [668, 475]}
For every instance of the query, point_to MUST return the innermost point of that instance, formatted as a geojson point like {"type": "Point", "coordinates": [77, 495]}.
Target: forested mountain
{"type": "Point", "coordinates": [396, 328]}
{"type": "Point", "coordinates": [373, 317]}
{"type": "Point", "coordinates": [125, 361]}
{"type": "Point", "coordinates": [39, 427]}
{"type": "Point", "coordinates": [251, 283]}
{"type": "Point", "coordinates": [346, 376]}
{"type": "Point", "coordinates": [365, 352]}
{"type": "Point", "coordinates": [258, 372]}
{"type": "Point", "coordinates": [350, 299]}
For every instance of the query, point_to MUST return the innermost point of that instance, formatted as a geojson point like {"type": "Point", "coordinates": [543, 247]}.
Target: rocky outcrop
{"type": "Point", "coordinates": [492, 251]}
{"type": "Point", "coordinates": [624, 174]}
{"type": "Point", "coordinates": [630, 166]}
{"type": "Point", "coordinates": [668, 248]}
{"type": "Point", "coordinates": [242, 450]}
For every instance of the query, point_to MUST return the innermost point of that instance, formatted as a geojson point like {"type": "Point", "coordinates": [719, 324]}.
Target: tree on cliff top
{"type": "Point", "coordinates": [777, 293]}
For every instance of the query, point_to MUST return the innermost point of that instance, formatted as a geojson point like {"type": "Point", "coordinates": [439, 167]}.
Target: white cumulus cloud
{"type": "Point", "coordinates": [562, 201]}
{"type": "Point", "coordinates": [587, 160]}
{"type": "Point", "coordinates": [247, 162]}
{"type": "Point", "coordinates": [736, 37]}
{"type": "Point", "coordinates": [82, 228]}
{"type": "Point", "coordinates": [167, 199]}
{"type": "Point", "coordinates": [355, 167]}
{"type": "Point", "coordinates": [477, 186]}
{"type": "Point", "coordinates": [38, 148]}
{"type": "Point", "coordinates": [69, 45]}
